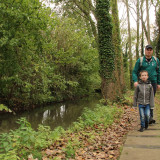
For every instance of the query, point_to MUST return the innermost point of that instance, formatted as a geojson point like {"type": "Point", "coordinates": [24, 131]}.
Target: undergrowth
{"type": "Point", "coordinates": [24, 141]}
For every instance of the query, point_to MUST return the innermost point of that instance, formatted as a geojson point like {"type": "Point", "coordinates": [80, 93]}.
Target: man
{"type": "Point", "coordinates": [151, 65]}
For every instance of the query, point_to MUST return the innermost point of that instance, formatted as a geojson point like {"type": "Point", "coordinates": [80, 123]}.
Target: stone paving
{"type": "Point", "coordinates": [142, 145]}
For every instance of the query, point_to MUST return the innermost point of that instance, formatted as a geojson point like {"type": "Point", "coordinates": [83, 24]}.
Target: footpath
{"type": "Point", "coordinates": [142, 145]}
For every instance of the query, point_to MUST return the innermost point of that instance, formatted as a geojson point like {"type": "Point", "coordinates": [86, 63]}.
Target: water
{"type": "Point", "coordinates": [60, 114]}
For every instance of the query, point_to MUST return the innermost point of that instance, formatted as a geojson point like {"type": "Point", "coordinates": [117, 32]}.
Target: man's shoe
{"type": "Point", "coordinates": [141, 129]}
{"type": "Point", "coordinates": [152, 121]}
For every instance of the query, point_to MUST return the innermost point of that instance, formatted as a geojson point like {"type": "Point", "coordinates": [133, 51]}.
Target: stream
{"type": "Point", "coordinates": [59, 114]}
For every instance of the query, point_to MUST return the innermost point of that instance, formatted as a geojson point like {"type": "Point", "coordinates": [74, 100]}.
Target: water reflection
{"type": "Point", "coordinates": [60, 114]}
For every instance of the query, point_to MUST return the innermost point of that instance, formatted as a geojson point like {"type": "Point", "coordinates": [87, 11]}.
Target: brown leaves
{"type": "Point", "coordinates": [95, 143]}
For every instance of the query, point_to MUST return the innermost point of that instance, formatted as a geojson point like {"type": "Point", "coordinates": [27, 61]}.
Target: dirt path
{"type": "Point", "coordinates": [142, 145]}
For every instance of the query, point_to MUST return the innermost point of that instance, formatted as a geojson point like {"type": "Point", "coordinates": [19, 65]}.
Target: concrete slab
{"type": "Point", "coordinates": [142, 145]}
{"type": "Point", "coordinates": [130, 153]}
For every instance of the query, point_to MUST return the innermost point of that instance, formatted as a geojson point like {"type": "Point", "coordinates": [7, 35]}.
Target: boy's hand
{"type": "Point", "coordinates": [135, 84]}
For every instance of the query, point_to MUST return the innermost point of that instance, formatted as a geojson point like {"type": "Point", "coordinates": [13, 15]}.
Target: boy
{"type": "Point", "coordinates": [144, 97]}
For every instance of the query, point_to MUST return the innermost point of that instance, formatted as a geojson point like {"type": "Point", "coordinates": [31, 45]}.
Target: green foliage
{"type": "Point", "coordinates": [80, 11]}
{"type": "Point", "coordinates": [44, 58]}
{"type": "Point", "coordinates": [71, 147]}
{"type": "Point", "coordinates": [3, 107]}
{"type": "Point", "coordinates": [22, 65]}
{"type": "Point", "coordinates": [106, 53]}
{"type": "Point", "coordinates": [77, 61]}
{"type": "Point", "coordinates": [101, 114]}
{"type": "Point", "coordinates": [24, 141]}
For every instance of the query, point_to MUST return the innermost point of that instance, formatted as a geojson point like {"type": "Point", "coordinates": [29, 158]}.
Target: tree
{"type": "Point", "coordinates": [106, 52]}
{"type": "Point", "coordinates": [129, 43]}
{"type": "Point", "coordinates": [116, 38]}
{"type": "Point", "coordinates": [21, 48]}
{"type": "Point", "coordinates": [142, 24]}
{"type": "Point", "coordinates": [158, 33]}
{"type": "Point", "coordinates": [148, 25]}
{"type": "Point", "coordinates": [84, 9]}
{"type": "Point", "coordinates": [138, 18]}
{"type": "Point", "coordinates": [43, 58]}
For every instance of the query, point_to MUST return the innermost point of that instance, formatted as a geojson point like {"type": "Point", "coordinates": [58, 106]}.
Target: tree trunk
{"type": "Point", "coordinates": [158, 35]}
{"type": "Point", "coordinates": [137, 44]}
{"type": "Point", "coordinates": [129, 41]}
{"type": "Point", "coordinates": [117, 47]}
{"type": "Point", "coordinates": [142, 23]}
{"type": "Point", "coordinates": [148, 25]}
{"type": "Point", "coordinates": [106, 52]}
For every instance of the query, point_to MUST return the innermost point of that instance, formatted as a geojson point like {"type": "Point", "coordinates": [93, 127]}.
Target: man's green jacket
{"type": "Point", "coordinates": [150, 67]}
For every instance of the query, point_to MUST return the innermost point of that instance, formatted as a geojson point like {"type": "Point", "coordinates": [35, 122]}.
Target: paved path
{"type": "Point", "coordinates": [142, 145]}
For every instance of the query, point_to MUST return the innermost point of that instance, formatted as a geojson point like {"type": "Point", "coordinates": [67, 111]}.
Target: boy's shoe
{"type": "Point", "coordinates": [141, 129]}
{"type": "Point", "coordinates": [146, 125]}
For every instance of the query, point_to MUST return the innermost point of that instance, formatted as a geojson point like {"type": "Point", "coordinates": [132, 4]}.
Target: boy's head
{"type": "Point", "coordinates": [143, 75]}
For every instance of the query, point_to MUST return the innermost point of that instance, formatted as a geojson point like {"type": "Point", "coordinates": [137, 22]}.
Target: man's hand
{"type": "Point", "coordinates": [136, 83]}
{"type": "Point", "coordinates": [158, 86]}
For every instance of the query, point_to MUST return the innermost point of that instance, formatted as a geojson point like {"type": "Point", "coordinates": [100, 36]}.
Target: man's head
{"type": "Point", "coordinates": [148, 51]}
{"type": "Point", "coordinates": [143, 75]}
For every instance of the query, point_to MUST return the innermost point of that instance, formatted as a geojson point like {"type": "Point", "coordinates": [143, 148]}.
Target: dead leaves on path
{"type": "Point", "coordinates": [98, 143]}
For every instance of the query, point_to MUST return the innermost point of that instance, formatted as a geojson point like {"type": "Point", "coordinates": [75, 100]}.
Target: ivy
{"type": "Point", "coordinates": [106, 53]}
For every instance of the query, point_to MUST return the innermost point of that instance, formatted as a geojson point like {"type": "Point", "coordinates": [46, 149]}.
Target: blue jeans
{"type": "Point", "coordinates": [144, 111]}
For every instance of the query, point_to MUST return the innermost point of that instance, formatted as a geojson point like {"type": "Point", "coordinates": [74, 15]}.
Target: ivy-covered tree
{"type": "Point", "coordinates": [106, 50]}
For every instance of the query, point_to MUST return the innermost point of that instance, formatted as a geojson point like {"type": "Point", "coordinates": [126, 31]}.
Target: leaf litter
{"type": "Point", "coordinates": [96, 143]}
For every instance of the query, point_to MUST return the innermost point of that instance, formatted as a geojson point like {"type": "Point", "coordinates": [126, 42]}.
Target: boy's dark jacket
{"type": "Point", "coordinates": [144, 94]}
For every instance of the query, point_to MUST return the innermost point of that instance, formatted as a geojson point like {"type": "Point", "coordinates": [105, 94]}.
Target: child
{"type": "Point", "coordinates": [144, 97]}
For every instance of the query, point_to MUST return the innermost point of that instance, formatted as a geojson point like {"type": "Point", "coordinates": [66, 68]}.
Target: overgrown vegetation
{"type": "Point", "coordinates": [24, 141]}
{"type": "Point", "coordinates": [20, 143]}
